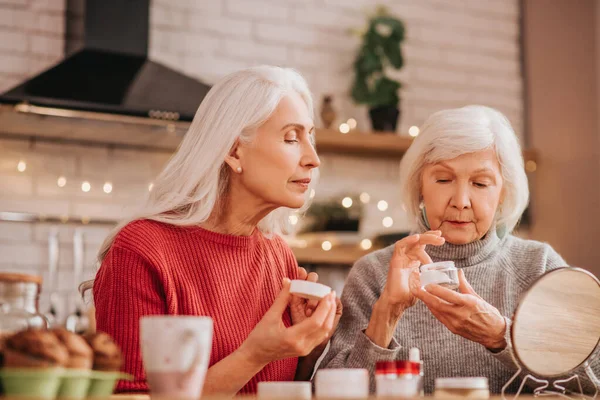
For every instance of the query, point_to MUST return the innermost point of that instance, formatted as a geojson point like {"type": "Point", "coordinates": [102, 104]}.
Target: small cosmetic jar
{"type": "Point", "coordinates": [442, 273]}
{"type": "Point", "coordinates": [284, 390]}
{"type": "Point", "coordinates": [342, 384]}
{"type": "Point", "coordinates": [462, 388]}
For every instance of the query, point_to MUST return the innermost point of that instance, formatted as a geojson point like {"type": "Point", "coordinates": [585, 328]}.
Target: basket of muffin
{"type": "Point", "coordinates": [59, 364]}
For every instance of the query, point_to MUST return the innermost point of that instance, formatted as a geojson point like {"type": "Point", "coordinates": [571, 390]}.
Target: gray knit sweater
{"type": "Point", "coordinates": [499, 271]}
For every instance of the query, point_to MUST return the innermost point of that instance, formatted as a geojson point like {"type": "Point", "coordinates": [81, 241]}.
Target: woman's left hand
{"type": "Point", "coordinates": [301, 309]}
{"type": "Point", "coordinates": [465, 313]}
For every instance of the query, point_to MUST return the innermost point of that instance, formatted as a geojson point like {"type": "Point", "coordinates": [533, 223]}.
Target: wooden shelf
{"type": "Point", "coordinates": [380, 144]}
{"type": "Point", "coordinates": [373, 144]}
{"type": "Point", "coordinates": [340, 255]}
{"type": "Point", "coordinates": [99, 129]}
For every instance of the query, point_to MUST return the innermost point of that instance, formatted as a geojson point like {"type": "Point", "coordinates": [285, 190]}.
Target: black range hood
{"type": "Point", "coordinates": [111, 74]}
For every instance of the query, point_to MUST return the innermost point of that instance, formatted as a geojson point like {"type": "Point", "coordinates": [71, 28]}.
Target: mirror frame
{"type": "Point", "coordinates": [519, 305]}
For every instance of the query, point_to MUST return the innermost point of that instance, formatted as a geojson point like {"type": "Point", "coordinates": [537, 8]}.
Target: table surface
{"type": "Point", "coordinates": [146, 397]}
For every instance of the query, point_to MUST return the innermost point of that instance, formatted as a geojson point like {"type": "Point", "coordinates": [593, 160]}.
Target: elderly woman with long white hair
{"type": "Point", "coordinates": [206, 243]}
{"type": "Point", "coordinates": [464, 187]}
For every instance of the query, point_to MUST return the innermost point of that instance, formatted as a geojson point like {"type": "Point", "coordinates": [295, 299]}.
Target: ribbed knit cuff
{"type": "Point", "coordinates": [365, 353]}
{"type": "Point", "coordinates": [506, 356]}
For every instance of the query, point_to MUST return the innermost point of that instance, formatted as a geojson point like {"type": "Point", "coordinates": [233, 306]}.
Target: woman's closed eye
{"type": "Point", "coordinates": [291, 136]}
{"type": "Point", "coordinates": [443, 180]}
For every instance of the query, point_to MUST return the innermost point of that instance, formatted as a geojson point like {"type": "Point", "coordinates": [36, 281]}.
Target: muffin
{"type": "Point", "coordinates": [34, 348]}
{"type": "Point", "coordinates": [81, 355]}
{"type": "Point", "coordinates": [107, 354]}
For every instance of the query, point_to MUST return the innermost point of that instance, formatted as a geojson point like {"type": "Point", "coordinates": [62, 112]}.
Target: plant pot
{"type": "Point", "coordinates": [384, 118]}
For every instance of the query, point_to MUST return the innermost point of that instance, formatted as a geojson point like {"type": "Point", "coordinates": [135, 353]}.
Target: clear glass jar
{"type": "Point", "coordinates": [441, 273]}
{"type": "Point", "coordinates": [19, 299]}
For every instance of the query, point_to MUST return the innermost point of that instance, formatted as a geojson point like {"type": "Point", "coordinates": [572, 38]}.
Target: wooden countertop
{"type": "Point", "coordinates": [146, 397]}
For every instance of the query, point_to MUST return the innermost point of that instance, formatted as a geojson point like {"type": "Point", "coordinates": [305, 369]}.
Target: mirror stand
{"type": "Point", "coordinates": [557, 388]}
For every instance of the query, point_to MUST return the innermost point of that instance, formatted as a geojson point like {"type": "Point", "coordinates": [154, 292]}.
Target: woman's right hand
{"type": "Point", "coordinates": [396, 297]}
{"type": "Point", "coordinates": [409, 254]}
{"type": "Point", "coordinates": [270, 340]}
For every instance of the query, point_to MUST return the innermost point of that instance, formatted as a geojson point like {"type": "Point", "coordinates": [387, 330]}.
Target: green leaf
{"type": "Point", "coordinates": [385, 93]}
{"type": "Point", "coordinates": [368, 62]}
{"type": "Point", "coordinates": [360, 91]}
{"type": "Point", "coordinates": [380, 48]}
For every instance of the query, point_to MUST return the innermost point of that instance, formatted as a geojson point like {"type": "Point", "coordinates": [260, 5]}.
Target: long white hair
{"type": "Point", "coordinates": [448, 134]}
{"type": "Point", "coordinates": [187, 191]}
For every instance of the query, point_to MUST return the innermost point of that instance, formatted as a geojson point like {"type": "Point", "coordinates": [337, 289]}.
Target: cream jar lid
{"type": "Point", "coordinates": [309, 290]}
{"type": "Point", "coordinates": [342, 375]}
{"type": "Point", "coordinates": [461, 383]}
{"type": "Point", "coordinates": [438, 266]}
{"type": "Point", "coordinates": [280, 390]}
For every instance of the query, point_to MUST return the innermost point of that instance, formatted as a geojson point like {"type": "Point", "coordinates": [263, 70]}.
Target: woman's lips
{"type": "Point", "coordinates": [459, 223]}
{"type": "Point", "coordinates": [303, 183]}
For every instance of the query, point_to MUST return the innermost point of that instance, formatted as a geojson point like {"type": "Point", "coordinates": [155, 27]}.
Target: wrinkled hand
{"type": "Point", "coordinates": [302, 309]}
{"type": "Point", "coordinates": [465, 313]}
{"type": "Point", "coordinates": [409, 254]}
{"type": "Point", "coordinates": [270, 340]}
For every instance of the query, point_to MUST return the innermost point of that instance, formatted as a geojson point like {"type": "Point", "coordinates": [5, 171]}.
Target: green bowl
{"type": "Point", "coordinates": [39, 383]}
{"type": "Point", "coordinates": [103, 383]}
{"type": "Point", "coordinates": [75, 384]}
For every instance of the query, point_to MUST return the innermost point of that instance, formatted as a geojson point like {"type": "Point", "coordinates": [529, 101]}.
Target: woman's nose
{"type": "Point", "coordinates": [461, 199]}
{"type": "Point", "coordinates": [310, 158]}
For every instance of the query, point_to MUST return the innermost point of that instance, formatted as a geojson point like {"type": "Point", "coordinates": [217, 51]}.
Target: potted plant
{"type": "Point", "coordinates": [380, 50]}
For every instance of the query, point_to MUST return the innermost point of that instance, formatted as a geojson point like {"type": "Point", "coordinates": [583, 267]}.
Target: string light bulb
{"type": "Point", "coordinates": [61, 181]}
{"type": "Point", "coordinates": [107, 187]}
{"type": "Point", "coordinates": [366, 244]}
{"type": "Point", "coordinates": [86, 187]}
{"type": "Point", "coordinates": [387, 222]}
{"type": "Point", "coordinates": [352, 123]}
{"type": "Point", "coordinates": [344, 128]}
{"type": "Point", "coordinates": [365, 197]}
{"type": "Point", "coordinates": [293, 219]}
{"type": "Point", "coordinates": [382, 205]}
{"type": "Point", "coordinates": [21, 166]}
{"type": "Point", "coordinates": [414, 131]}
{"type": "Point", "coordinates": [347, 202]}
{"type": "Point", "coordinates": [326, 245]}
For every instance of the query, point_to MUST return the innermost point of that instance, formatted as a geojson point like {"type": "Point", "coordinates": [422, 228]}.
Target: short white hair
{"type": "Point", "coordinates": [448, 134]}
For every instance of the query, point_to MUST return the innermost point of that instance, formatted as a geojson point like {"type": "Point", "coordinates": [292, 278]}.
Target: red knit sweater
{"type": "Point", "coordinates": [155, 268]}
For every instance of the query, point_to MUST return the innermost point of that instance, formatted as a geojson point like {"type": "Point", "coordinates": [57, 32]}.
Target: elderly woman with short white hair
{"type": "Point", "coordinates": [464, 188]}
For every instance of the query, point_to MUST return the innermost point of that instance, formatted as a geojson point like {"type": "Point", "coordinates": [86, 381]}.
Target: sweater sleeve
{"type": "Point", "coordinates": [350, 347]}
{"type": "Point", "coordinates": [127, 287]}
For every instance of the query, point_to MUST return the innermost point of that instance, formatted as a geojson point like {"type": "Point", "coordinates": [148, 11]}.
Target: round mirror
{"type": "Point", "coordinates": [556, 326]}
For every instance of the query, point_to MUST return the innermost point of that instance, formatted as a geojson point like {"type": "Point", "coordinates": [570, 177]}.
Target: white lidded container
{"type": "Point", "coordinates": [342, 384]}
{"type": "Point", "coordinates": [284, 390]}
{"type": "Point", "coordinates": [309, 290]}
{"type": "Point", "coordinates": [441, 273]}
{"type": "Point", "coordinates": [462, 388]}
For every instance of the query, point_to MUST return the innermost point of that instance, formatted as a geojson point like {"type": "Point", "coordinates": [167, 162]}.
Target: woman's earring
{"type": "Point", "coordinates": [424, 215]}
{"type": "Point", "coordinates": [239, 170]}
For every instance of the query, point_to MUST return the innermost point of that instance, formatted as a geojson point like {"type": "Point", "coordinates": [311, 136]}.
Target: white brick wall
{"type": "Point", "coordinates": [457, 52]}
{"type": "Point", "coordinates": [31, 38]}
